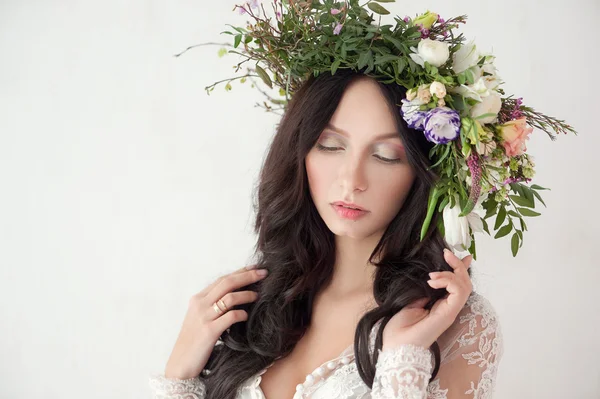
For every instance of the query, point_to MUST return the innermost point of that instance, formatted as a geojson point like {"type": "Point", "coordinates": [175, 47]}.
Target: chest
{"type": "Point", "coordinates": [308, 360]}
{"type": "Point", "coordinates": [329, 340]}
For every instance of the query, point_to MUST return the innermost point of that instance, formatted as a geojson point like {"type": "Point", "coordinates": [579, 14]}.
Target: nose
{"type": "Point", "coordinates": [352, 175]}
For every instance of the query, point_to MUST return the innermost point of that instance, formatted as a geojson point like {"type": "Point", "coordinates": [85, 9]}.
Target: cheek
{"type": "Point", "coordinates": [317, 172]}
{"type": "Point", "coordinates": [392, 189]}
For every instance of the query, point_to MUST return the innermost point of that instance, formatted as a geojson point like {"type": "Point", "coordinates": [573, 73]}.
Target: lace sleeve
{"type": "Point", "coordinates": [470, 364]}
{"type": "Point", "coordinates": [173, 388]}
{"type": "Point", "coordinates": [472, 349]}
{"type": "Point", "coordinates": [402, 372]}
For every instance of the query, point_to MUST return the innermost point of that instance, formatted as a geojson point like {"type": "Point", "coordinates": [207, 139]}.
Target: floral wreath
{"type": "Point", "coordinates": [453, 97]}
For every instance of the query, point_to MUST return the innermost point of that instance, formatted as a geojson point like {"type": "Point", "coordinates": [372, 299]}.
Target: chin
{"type": "Point", "coordinates": [352, 229]}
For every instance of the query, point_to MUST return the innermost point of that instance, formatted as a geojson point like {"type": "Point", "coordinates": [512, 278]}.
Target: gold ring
{"type": "Point", "coordinates": [223, 305]}
{"type": "Point", "coordinates": [217, 308]}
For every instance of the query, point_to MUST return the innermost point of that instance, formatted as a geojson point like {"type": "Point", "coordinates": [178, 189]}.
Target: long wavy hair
{"type": "Point", "coordinates": [297, 247]}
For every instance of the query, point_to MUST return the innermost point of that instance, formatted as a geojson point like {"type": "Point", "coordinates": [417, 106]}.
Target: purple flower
{"type": "Point", "coordinates": [406, 19]}
{"type": "Point", "coordinates": [242, 10]}
{"type": "Point", "coordinates": [442, 125]}
{"type": "Point", "coordinates": [335, 11]}
{"type": "Point", "coordinates": [337, 29]}
{"type": "Point", "coordinates": [414, 117]}
{"type": "Point", "coordinates": [254, 4]}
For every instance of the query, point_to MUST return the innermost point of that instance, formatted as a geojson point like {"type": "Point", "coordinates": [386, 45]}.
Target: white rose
{"type": "Point", "coordinates": [434, 52]}
{"type": "Point", "coordinates": [457, 228]}
{"type": "Point", "coordinates": [486, 148]}
{"type": "Point", "coordinates": [488, 105]}
{"type": "Point", "coordinates": [466, 57]}
{"type": "Point", "coordinates": [424, 94]}
{"type": "Point", "coordinates": [491, 81]}
{"type": "Point", "coordinates": [438, 89]}
{"type": "Point", "coordinates": [476, 91]}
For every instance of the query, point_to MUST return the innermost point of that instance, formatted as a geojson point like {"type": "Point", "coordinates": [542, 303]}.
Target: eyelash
{"type": "Point", "coordinates": [331, 149]}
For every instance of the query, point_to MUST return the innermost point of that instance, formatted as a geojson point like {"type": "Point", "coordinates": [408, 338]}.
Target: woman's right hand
{"type": "Point", "coordinates": [202, 326]}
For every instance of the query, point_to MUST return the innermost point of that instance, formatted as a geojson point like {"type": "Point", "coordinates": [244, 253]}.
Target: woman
{"type": "Point", "coordinates": [311, 326]}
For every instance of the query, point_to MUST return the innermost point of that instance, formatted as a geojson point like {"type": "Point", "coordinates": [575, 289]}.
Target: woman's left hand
{"type": "Point", "coordinates": [418, 326]}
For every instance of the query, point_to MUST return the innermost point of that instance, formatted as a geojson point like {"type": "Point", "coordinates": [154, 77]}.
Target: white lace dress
{"type": "Point", "coordinates": [471, 350]}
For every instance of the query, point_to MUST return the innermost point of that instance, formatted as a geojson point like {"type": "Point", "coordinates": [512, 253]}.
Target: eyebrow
{"type": "Point", "coordinates": [379, 137]}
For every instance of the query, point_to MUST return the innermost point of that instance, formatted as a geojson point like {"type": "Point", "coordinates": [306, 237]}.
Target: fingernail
{"type": "Point", "coordinates": [446, 250]}
{"type": "Point", "coordinates": [263, 272]}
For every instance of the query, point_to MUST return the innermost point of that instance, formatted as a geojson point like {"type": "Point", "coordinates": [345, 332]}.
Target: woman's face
{"type": "Point", "coordinates": [359, 158]}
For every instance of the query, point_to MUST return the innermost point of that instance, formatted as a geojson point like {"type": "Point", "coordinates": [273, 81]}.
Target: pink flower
{"type": "Point", "coordinates": [335, 11]}
{"type": "Point", "coordinates": [514, 134]}
{"type": "Point", "coordinates": [337, 29]}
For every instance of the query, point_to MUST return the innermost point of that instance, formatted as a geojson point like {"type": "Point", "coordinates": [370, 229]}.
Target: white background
{"type": "Point", "coordinates": [125, 189]}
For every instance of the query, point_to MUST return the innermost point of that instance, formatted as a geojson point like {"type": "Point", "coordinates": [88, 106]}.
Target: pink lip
{"type": "Point", "coordinates": [348, 204]}
{"type": "Point", "coordinates": [346, 213]}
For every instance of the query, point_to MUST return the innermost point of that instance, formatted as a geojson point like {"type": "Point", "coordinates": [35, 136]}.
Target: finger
{"type": "Point", "coordinates": [467, 261]}
{"type": "Point", "coordinates": [233, 299]}
{"type": "Point", "coordinates": [207, 289]}
{"type": "Point", "coordinates": [454, 286]}
{"type": "Point", "coordinates": [436, 275]}
{"type": "Point", "coordinates": [457, 264]}
{"type": "Point", "coordinates": [233, 316]}
{"type": "Point", "coordinates": [233, 282]}
{"type": "Point", "coordinates": [442, 282]}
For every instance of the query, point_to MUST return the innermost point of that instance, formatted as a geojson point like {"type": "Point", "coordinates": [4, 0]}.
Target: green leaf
{"type": "Point", "coordinates": [523, 224]}
{"type": "Point", "coordinates": [514, 244]}
{"type": "Point", "coordinates": [343, 50]}
{"type": "Point", "coordinates": [528, 193]}
{"type": "Point", "coordinates": [485, 227]}
{"type": "Point", "coordinates": [240, 30]}
{"type": "Point", "coordinates": [364, 59]}
{"type": "Point", "coordinates": [504, 231]}
{"type": "Point", "coordinates": [335, 65]}
{"type": "Point", "coordinates": [500, 218]}
{"type": "Point", "coordinates": [443, 204]}
{"type": "Point", "coordinates": [539, 197]}
{"type": "Point", "coordinates": [378, 9]}
{"type": "Point", "coordinates": [528, 212]}
{"type": "Point", "coordinates": [434, 195]}
{"type": "Point", "coordinates": [397, 43]}
{"type": "Point", "coordinates": [401, 65]}
{"type": "Point", "coordinates": [384, 58]}
{"type": "Point", "coordinates": [237, 40]}
{"type": "Point", "coordinates": [536, 187]}
{"type": "Point", "coordinates": [444, 155]}
{"type": "Point", "coordinates": [264, 76]}
{"type": "Point", "coordinates": [484, 116]}
{"type": "Point", "coordinates": [470, 77]}
{"type": "Point", "coordinates": [522, 201]}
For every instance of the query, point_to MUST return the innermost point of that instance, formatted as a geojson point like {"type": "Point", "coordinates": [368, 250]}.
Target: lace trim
{"type": "Point", "coordinates": [174, 388]}
{"type": "Point", "coordinates": [402, 372]}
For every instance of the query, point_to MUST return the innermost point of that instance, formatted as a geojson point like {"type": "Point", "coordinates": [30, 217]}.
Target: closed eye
{"type": "Point", "coordinates": [321, 147]}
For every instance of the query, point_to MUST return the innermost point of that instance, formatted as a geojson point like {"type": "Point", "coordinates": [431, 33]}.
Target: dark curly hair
{"type": "Point", "coordinates": [297, 248]}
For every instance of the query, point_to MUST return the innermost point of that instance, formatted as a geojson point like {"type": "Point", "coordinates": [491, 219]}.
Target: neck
{"type": "Point", "coordinates": [352, 271]}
